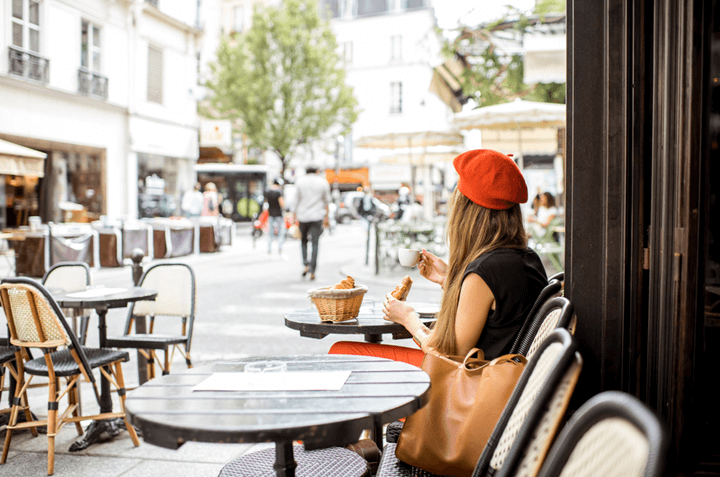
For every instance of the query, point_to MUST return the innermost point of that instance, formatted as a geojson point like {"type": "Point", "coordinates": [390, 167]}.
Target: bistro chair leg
{"type": "Point", "coordinates": [74, 399]}
{"type": "Point", "coordinates": [121, 394]}
{"type": "Point", "coordinates": [166, 367]}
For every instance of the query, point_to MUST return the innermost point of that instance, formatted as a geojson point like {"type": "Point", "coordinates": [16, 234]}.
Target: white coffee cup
{"type": "Point", "coordinates": [408, 257]}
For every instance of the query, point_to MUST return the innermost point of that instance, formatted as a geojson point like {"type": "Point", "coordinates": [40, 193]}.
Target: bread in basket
{"type": "Point", "coordinates": [339, 302]}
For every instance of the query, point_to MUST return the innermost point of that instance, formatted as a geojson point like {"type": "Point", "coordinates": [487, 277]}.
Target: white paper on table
{"type": "Point", "coordinates": [96, 292]}
{"type": "Point", "coordinates": [278, 381]}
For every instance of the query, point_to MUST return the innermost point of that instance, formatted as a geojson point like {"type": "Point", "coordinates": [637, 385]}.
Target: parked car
{"type": "Point", "coordinates": [349, 204]}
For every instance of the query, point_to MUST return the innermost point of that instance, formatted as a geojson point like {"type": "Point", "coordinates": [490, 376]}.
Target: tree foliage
{"type": "Point", "coordinates": [494, 76]}
{"type": "Point", "coordinates": [283, 80]}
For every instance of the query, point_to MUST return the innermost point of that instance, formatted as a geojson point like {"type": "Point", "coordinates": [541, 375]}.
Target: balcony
{"type": "Point", "coordinates": [28, 65]}
{"type": "Point", "coordinates": [92, 84]}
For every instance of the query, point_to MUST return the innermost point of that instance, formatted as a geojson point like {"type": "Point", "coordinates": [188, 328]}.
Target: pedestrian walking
{"type": "Point", "coordinates": [192, 202]}
{"type": "Point", "coordinates": [311, 208]}
{"type": "Point", "coordinates": [211, 201]}
{"type": "Point", "coordinates": [276, 222]}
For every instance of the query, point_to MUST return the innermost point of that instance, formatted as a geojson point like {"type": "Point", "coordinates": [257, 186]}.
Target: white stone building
{"type": "Point", "coordinates": [106, 88]}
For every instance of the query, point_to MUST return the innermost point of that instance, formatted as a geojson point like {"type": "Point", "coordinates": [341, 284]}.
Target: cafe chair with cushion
{"type": "Point", "coordinates": [538, 403]}
{"type": "Point", "coordinates": [175, 284]}
{"type": "Point", "coordinates": [551, 290]}
{"type": "Point", "coordinates": [613, 433]}
{"type": "Point", "coordinates": [36, 321]}
{"type": "Point", "coordinates": [71, 277]}
{"type": "Point", "coordinates": [555, 313]}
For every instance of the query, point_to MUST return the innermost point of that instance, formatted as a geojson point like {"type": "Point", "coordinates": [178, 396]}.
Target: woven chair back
{"type": "Point", "coordinates": [68, 276]}
{"type": "Point", "coordinates": [31, 319]}
{"type": "Point", "coordinates": [529, 450]}
{"type": "Point", "coordinates": [555, 313]}
{"type": "Point", "coordinates": [539, 381]}
{"type": "Point", "coordinates": [175, 284]}
{"type": "Point", "coordinates": [551, 289]}
{"type": "Point", "coordinates": [613, 434]}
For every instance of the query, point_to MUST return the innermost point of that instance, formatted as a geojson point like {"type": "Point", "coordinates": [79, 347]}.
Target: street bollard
{"type": "Point", "coordinates": [140, 324]}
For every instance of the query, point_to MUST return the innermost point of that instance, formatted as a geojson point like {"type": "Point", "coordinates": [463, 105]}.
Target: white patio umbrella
{"type": "Point", "coordinates": [517, 115]}
{"type": "Point", "coordinates": [409, 140]}
{"type": "Point", "coordinates": [19, 160]}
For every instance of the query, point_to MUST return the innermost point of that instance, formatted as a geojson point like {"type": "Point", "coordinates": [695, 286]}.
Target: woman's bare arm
{"type": "Point", "coordinates": [476, 301]}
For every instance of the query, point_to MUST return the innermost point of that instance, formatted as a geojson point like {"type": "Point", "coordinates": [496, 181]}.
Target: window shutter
{"type": "Point", "coordinates": [155, 75]}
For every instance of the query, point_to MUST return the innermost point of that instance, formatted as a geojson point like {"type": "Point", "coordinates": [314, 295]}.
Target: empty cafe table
{"type": "Point", "coordinates": [169, 412]}
{"type": "Point", "coordinates": [101, 300]}
{"type": "Point", "coordinates": [370, 322]}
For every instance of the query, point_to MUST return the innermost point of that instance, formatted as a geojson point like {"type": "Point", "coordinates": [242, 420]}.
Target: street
{"type": "Point", "coordinates": [243, 294]}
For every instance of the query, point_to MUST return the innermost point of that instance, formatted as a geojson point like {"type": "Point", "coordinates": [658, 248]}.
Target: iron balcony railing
{"type": "Point", "coordinates": [92, 83]}
{"type": "Point", "coordinates": [28, 65]}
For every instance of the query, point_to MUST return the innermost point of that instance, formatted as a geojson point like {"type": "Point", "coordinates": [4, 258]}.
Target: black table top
{"type": "Point", "coordinates": [114, 300]}
{"type": "Point", "coordinates": [169, 413]}
{"type": "Point", "coordinates": [370, 321]}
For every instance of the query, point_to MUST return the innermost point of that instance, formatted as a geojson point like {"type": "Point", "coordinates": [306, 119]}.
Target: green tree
{"type": "Point", "coordinates": [283, 80]}
{"type": "Point", "coordinates": [494, 77]}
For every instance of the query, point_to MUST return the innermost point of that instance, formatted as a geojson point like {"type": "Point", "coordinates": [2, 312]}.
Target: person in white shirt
{"type": "Point", "coordinates": [311, 208]}
{"type": "Point", "coordinates": [192, 202]}
{"type": "Point", "coordinates": [545, 214]}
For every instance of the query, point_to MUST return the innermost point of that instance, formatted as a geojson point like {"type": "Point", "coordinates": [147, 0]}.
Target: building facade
{"type": "Point", "coordinates": [106, 89]}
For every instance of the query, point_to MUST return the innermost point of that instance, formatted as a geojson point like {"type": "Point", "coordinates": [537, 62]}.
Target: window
{"type": "Point", "coordinates": [413, 4]}
{"type": "Point", "coordinates": [396, 97]}
{"type": "Point", "coordinates": [26, 25]}
{"type": "Point", "coordinates": [90, 51]}
{"type": "Point", "coordinates": [332, 7]}
{"type": "Point", "coordinates": [346, 51]}
{"type": "Point", "coordinates": [396, 48]}
{"type": "Point", "coordinates": [371, 7]}
{"type": "Point", "coordinates": [238, 18]}
{"type": "Point", "coordinates": [155, 75]}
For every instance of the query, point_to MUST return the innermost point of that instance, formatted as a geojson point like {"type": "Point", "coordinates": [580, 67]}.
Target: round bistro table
{"type": "Point", "coordinates": [169, 413]}
{"type": "Point", "coordinates": [370, 322]}
{"type": "Point", "coordinates": [101, 304]}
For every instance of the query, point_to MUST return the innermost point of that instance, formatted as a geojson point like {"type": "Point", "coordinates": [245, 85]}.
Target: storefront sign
{"type": "Point", "coordinates": [215, 133]}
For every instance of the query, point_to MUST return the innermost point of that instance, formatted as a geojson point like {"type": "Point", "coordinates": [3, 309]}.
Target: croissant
{"type": "Point", "coordinates": [401, 291]}
{"type": "Point", "coordinates": [346, 284]}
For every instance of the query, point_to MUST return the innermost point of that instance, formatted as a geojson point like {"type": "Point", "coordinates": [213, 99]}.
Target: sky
{"type": "Point", "coordinates": [472, 12]}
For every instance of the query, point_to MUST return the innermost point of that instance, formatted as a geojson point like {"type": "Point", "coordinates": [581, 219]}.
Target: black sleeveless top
{"type": "Point", "coordinates": [515, 278]}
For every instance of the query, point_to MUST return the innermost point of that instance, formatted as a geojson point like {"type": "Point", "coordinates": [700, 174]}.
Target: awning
{"type": "Point", "coordinates": [21, 161]}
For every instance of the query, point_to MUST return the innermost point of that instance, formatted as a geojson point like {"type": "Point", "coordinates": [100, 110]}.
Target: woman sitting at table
{"type": "Point", "coordinates": [492, 279]}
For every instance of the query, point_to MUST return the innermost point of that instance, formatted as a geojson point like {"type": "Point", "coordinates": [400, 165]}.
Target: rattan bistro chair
{"type": "Point", "coordinates": [555, 313]}
{"type": "Point", "coordinates": [551, 290]}
{"type": "Point", "coordinates": [612, 435]}
{"type": "Point", "coordinates": [35, 321]}
{"type": "Point", "coordinates": [71, 277]}
{"type": "Point", "coordinates": [175, 284]}
{"type": "Point", "coordinates": [541, 395]}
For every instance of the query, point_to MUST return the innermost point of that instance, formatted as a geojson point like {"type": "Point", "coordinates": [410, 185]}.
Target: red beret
{"type": "Point", "coordinates": [491, 179]}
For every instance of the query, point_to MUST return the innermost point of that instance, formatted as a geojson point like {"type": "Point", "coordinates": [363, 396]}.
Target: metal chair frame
{"type": "Point", "coordinates": [147, 344]}
{"type": "Point", "coordinates": [47, 317]}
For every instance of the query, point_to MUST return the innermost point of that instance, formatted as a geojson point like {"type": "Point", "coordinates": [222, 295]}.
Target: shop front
{"type": "Point", "coordinates": [241, 187]}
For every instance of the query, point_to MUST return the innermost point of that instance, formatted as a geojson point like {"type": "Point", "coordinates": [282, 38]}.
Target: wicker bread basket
{"type": "Point", "coordinates": [337, 305]}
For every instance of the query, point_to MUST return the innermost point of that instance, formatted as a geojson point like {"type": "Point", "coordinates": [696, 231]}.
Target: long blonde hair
{"type": "Point", "coordinates": [472, 230]}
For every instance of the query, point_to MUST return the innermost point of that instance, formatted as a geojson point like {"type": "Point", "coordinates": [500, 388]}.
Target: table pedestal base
{"type": "Point", "coordinates": [95, 430]}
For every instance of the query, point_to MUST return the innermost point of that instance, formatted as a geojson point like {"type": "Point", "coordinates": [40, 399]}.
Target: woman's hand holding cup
{"type": "Point", "coordinates": [432, 268]}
